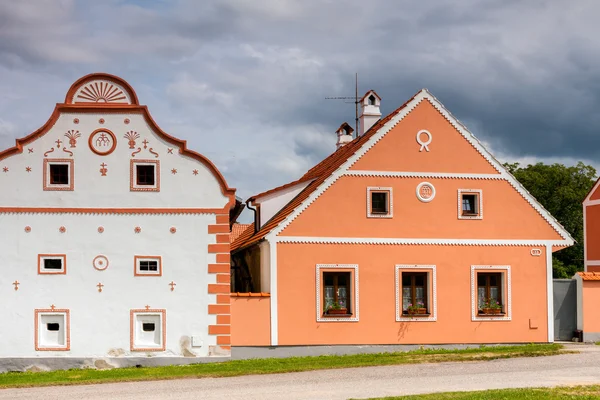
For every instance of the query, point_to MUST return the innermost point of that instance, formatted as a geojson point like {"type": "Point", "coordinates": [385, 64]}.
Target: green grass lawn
{"type": "Point", "coordinates": [575, 392]}
{"type": "Point", "coordinates": [271, 365]}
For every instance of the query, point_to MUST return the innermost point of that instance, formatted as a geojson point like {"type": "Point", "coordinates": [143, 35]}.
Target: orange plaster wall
{"type": "Point", "coordinates": [297, 295]}
{"type": "Point", "coordinates": [591, 299]}
{"type": "Point", "coordinates": [592, 238]}
{"type": "Point", "coordinates": [449, 150]}
{"type": "Point", "coordinates": [342, 212]}
{"type": "Point", "coordinates": [250, 321]}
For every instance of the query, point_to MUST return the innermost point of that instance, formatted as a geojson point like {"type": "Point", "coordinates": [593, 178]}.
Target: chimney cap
{"type": "Point", "coordinates": [346, 128]}
{"type": "Point", "coordinates": [370, 92]}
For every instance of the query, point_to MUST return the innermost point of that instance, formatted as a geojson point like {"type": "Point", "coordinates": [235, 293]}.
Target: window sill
{"type": "Point", "coordinates": [469, 215]}
{"type": "Point", "coordinates": [406, 315]}
{"type": "Point", "coordinates": [336, 316]}
{"type": "Point", "coordinates": [499, 315]}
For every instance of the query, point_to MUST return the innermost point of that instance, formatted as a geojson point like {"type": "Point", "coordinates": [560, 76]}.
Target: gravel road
{"type": "Point", "coordinates": [566, 369]}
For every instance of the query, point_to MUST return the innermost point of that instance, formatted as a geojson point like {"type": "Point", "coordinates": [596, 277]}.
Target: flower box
{"type": "Point", "coordinates": [491, 311]}
{"type": "Point", "coordinates": [340, 311]}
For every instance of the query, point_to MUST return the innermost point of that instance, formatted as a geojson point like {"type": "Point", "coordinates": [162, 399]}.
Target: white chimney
{"type": "Point", "coordinates": [370, 114]}
{"type": "Point", "coordinates": [344, 135]}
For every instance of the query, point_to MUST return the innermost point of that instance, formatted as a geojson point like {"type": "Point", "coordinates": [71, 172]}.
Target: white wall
{"type": "Point", "coordinates": [272, 203]}
{"type": "Point", "coordinates": [100, 321]}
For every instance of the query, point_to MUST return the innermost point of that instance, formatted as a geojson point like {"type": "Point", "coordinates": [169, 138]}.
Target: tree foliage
{"type": "Point", "coordinates": [560, 189]}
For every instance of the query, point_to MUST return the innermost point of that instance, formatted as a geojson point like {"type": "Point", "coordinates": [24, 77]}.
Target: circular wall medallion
{"type": "Point", "coordinates": [173, 229]}
{"type": "Point", "coordinates": [76, 121]}
{"type": "Point", "coordinates": [126, 120]}
{"type": "Point", "coordinates": [424, 139]}
{"type": "Point", "coordinates": [102, 142]}
{"type": "Point", "coordinates": [137, 229]}
{"type": "Point", "coordinates": [27, 229]}
{"type": "Point", "coordinates": [100, 229]}
{"type": "Point", "coordinates": [100, 263]}
{"type": "Point", "coordinates": [101, 121]}
{"type": "Point", "coordinates": [425, 192]}
{"type": "Point", "coordinates": [62, 229]}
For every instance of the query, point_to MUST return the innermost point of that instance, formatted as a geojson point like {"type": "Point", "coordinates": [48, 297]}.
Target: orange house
{"type": "Point", "coordinates": [591, 229]}
{"type": "Point", "coordinates": [409, 233]}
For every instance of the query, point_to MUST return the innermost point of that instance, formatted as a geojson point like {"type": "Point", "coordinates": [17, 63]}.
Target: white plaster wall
{"type": "Point", "coordinates": [180, 190]}
{"type": "Point", "coordinates": [272, 203]}
{"type": "Point", "coordinates": [100, 321]}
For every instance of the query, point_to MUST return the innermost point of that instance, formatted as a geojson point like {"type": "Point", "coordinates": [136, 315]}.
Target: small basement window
{"type": "Point", "coordinates": [53, 326]}
{"type": "Point", "coordinates": [148, 266]}
{"type": "Point", "coordinates": [470, 205]}
{"type": "Point", "coordinates": [379, 202]}
{"type": "Point", "coordinates": [52, 264]}
{"type": "Point", "coordinates": [59, 174]}
{"type": "Point", "coordinates": [148, 326]}
{"type": "Point", "coordinates": [145, 175]}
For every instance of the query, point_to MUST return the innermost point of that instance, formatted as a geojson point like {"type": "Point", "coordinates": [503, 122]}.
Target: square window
{"type": "Point", "coordinates": [416, 293]}
{"type": "Point", "coordinates": [379, 202]}
{"type": "Point", "coordinates": [337, 292]}
{"type": "Point", "coordinates": [490, 294]}
{"type": "Point", "coordinates": [148, 330]}
{"type": "Point", "coordinates": [52, 330]}
{"type": "Point", "coordinates": [58, 174]}
{"type": "Point", "coordinates": [147, 266]}
{"type": "Point", "coordinates": [470, 204]}
{"type": "Point", "coordinates": [52, 264]}
{"type": "Point", "coordinates": [145, 175]}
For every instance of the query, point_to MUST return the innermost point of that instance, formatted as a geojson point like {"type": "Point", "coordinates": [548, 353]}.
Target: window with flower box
{"type": "Point", "coordinates": [337, 292]}
{"type": "Point", "coordinates": [490, 293]}
{"type": "Point", "coordinates": [416, 293]}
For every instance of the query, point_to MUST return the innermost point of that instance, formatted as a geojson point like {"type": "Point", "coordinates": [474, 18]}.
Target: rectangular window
{"type": "Point", "coordinates": [52, 330]}
{"type": "Point", "coordinates": [148, 330]}
{"type": "Point", "coordinates": [144, 175]}
{"type": "Point", "coordinates": [490, 293]}
{"type": "Point", "coordinates": [148, 266]}
{"type": "Point", "coordinates": [379, 202]}
{"type": "Point", "coordinates": [52, 264]}
{"type": "Point", "coordinates": [470, 204]}
{"type": "Point", "coordinates": [58, 174]}
{"type": "Point", "coordinates": [414, 293]}
{"type": "Point", "coordinates": [337, 292]}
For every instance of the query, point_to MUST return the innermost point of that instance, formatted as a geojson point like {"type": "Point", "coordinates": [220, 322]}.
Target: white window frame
{"type": "Point", "coordinates": [43, 271]}
{"type": "Point", "coordinates": [390, 212]}
{"type": "Point", "coordinates": [431, 292]}
{"type": "Point", "coordinates": [47, 176]}
{"type": "Point", "coordinates": [134, 187]}
{"type": "Point", "coordinates": [479, 194]}
{"type": "Point", "coordinates": [353, 268]}
{"type": "Point", "coordinates": [138, 272]}
{"type": "Point", "coordinates": [506, 294]}
{"type": "Point", "coordinates": [65, 313]}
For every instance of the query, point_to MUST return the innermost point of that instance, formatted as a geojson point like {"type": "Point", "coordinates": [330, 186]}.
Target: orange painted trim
{"type": "Point", "coordinates": [218, 268]}
{"type": "Point", "coordinates": [112, 148]}
{"type": "Point", "coordinates": [224, 319]}
{"type": "Point", "coordinates": [224, 278]}
{"type": "Point", "coordinates": [47, 185]}
{"type": "Point", "coordinates": [133, 176]}
{"type": "Point", "coordinates": [219, 330]}
{"type": "Point", "coordinates": [67, 313]}
{"type": "Point", "coordinates": [223, 299]}
{"type": "Point", "coordinates": [250, 294]}
{"type": "Point", "coordinates": [72, 210]}
{"type": "Point", "coordinates": [135, 266]}
{"type": "Point", "coordinates": [218, 248]}
{"type": "Point", "coordinates": [218, 229]}
{"type": "Point", "coordinates": [39, 264]}
{"type": "Point", "coordinates": [217, 288]}
{"type": "Point", "coordinates": [223, 238]}
{"type": "Point", "coordinates": [132, 329]}
{"type": "Point", "coordinates": [223, 258]}
{"type": "Point", "coordinates": [100, 75]}
{"type": "Point", "coordinates": [219, 309]}
{"type": "Point", "coordinates": [224, 340]}
{"type": "Point", "coordinates": [223, 219]}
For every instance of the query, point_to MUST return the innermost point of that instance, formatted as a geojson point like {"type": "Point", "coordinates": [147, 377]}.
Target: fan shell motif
{"type": "Point", "coordinates": [101, 92]}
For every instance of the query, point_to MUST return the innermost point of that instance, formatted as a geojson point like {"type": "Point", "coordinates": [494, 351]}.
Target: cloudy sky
{"type": "Point", "coordinates": [245, 81]}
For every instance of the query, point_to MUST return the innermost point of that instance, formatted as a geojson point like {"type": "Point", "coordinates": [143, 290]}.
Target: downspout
{"type": "Point", "coordinates": [255, 214]}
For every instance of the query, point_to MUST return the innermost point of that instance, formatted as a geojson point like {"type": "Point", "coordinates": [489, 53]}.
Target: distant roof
{"type": "Point", "coordinates": [589, 276]}
{"type": "Point", "coordinates": [237, 230]}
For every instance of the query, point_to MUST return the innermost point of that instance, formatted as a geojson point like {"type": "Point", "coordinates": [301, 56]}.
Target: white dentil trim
{"type": "Point", "coordinates": [418, 241]}
{"type": "Point", "coordinates": [474, 306]}
{"type": "Point", "coordinates": [433, 294]}
{"type": "Point", "coordinates": [402, 174]}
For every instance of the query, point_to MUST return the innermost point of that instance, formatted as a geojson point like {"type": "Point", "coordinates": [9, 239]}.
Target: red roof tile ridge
{"type": "Point", "coordinates": [590, 276]}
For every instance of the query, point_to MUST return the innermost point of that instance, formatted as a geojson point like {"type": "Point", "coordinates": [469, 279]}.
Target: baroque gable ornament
{"type": "Point", "coordinates": [99, 91]}
{"type": "Point", "coordinates": [102, 142]}
{"type": "Point", "coordinates": [73, 135]}
{"type": "Point", "coordinates": [424, 143]}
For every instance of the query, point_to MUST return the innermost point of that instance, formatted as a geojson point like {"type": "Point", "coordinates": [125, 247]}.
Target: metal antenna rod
{"type": "Point", "coordinates": [355, 99]}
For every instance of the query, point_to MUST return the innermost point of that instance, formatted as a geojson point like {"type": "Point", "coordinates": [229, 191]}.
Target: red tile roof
{"type": "Point", "coordinates": [237, 230]}
{"type": "Point", "coordinates": [317, 174]}
{"type": "Point", "coordinates": [589, 276]}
